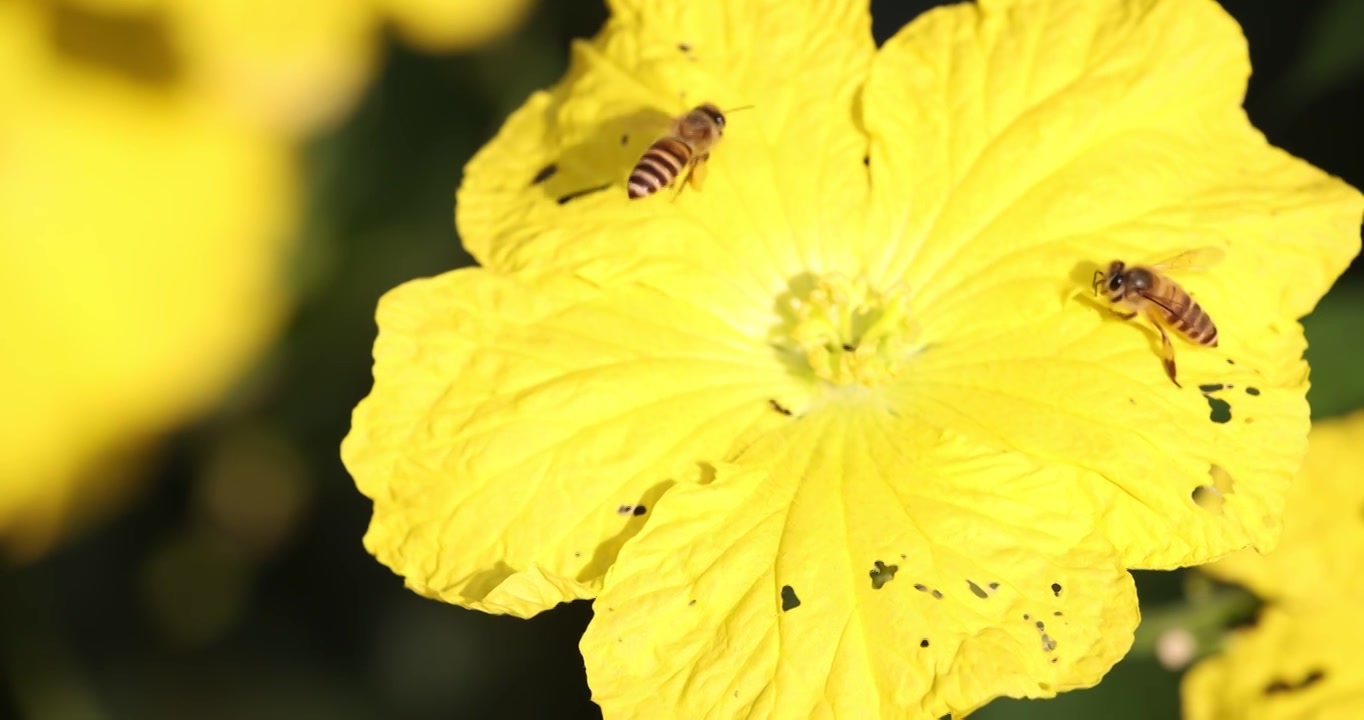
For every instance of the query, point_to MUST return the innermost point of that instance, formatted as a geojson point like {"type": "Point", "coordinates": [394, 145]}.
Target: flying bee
{"type": "Point", "coordinates": [1144, 289]}
{"type": "Point", "coordinates": [685, 148]}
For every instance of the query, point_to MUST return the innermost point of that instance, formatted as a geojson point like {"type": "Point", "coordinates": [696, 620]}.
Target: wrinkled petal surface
{"type": "Point", "coordinates": [838, 573]}
{"type": "Point", "coordinates": [517, 435]}
{"type": "Point", "coordinates": [1290, 665]}
{"type": "Point", "coordinates": [785, 188]}
{"type": "Point", "coordinates": [1019, 145]}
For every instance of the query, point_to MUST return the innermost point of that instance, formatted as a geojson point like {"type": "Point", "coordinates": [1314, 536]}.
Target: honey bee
{"type": "Point", "coordinates": [1144, 289]}
{"type": "Point", "coordinates": [686, 147]}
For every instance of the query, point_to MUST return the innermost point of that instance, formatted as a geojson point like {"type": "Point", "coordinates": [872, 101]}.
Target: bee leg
{"type": "Point", "coordinates": [698, 172]}
{"type": "Point", "coordinates": [1167, 350]}
{"type": "Point", "coordinates": [1125, 316]}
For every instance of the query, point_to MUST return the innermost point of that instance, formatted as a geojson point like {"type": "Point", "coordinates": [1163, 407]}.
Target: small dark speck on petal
{"type": "Point", "coordinates": [1055, 659]}
{"type": "Point", "coordinates": [866, 160]}
{"type": "Point", "coordinates": [640, 510]}
{"type": "Point", "coordinates": [1057, 613]}
{"type": "Point", "coordinates": [625, 139]}
{"type": "Point", "coordinates": [994, 586]}
{"type": "Point", "coordinates": [1212, 387]}
{"type": "Point", "coordinates": [921, 587]}
{"type": "Point", "coordinates": [686, 47]}
{"type": "Point", "coordinates": [1041, 625]}
{"type": "Point", "coordinates": [977, 590]}
{"type": "Point", "coordinates": [1056, 589]}
{"type": "Point", "coordinates": [1027, 616]}
{"type": "Point", "coordinates": [923, 643]}
{"type": "Point", "coordinates": [565, 199]}
{"type": "Point", "coordinates": [690, 603]}
{"type": "Point", "coordinates": [778, 407]}
{"type": "Point", "coordinates": [789, 601]}
{"type": "Point", "coordinates": [1230, 361]}
{"type": "Point", "coordinates": [1252, 391]}
{"type": "Point", "coordinates": [545, 173]}
{"type": "Point", "coordinates": [937, 594]}
{"type": "Point", "coordinates": [904, 556]}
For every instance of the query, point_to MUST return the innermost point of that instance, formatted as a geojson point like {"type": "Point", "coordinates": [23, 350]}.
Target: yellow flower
{"type": "Point", "coordinates": [301, 64]}
{"type": "Point", "coordinates": [834, 435]}
{"type": "Point", "coordinates": [140, 267]}
{"type": "Point", "coordinates": [1301, 657]}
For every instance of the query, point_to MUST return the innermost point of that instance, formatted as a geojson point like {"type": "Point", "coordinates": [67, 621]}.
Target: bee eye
{"type": "Point", "coordinates": [1115, 283]}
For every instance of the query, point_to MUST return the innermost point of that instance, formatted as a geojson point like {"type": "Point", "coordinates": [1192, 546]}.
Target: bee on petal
{"type": "Point", "coordinates": [685, 148]}
{"type": "Point", "coordinates": [1144, 289]}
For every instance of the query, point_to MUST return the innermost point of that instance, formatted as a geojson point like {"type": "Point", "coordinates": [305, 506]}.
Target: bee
{"type": "Point", "coordinates": [1144, 289]}
{"type": "Point", "coordinates": [685, 148]}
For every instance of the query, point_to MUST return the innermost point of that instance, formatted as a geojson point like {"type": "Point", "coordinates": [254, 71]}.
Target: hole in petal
{"type": "Point", "coordinates": [923, 643]}
{"type": "Point", "coordinates": [1213, 387]}
{"type": "Point", "coordinates": [640, 510]}
{"type": "Point", "coordinates": [977, 590]}
{"type": "Point", "coordinates": [1209, 498]}
{"type": "Point", "coordinates": [1252, 391]}
{"type": "Point", "coordinates": [1056, 589]}
{"type": "Point", "coordinates": [1220, 410]}
{"type": "Point", "coordinates": [789, 601]}
{"type": "Point", "coordinates": [882, 573]}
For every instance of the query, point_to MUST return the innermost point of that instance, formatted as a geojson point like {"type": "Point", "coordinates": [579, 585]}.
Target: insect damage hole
{"type": "Point", "coordinates": [977, 590]}
{"type": "Point", "coordinates": [882, 573]}
{"type": "Point", "coordinates": [789, 601]}
{"type": "Point", "coordinates": [1219, 409]}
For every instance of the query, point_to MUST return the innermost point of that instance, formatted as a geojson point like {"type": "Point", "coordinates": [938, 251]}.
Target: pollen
{"type": "Point", "coordinates": [849, 332]}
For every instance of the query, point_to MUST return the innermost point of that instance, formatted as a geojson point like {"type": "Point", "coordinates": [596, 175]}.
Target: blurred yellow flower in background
{"type": "Point", "coordinates": [144, 238]}
{"type": "Point", "coordinates": [297, 65]}
{"type": "Point", "coordinates": [833, 436]}
{"type": "Point", "coordinates": [149, 201]}
{"type": "Point", "coordinates": [1301, 658]}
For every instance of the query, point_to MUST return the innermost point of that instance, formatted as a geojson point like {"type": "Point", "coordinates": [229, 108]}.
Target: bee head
{"type": "Point", "coordinates": [711, 111]}
{"type": "Point", "coordinates": [1112, 279]}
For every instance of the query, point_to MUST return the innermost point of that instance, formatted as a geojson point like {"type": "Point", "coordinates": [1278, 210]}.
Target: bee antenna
{"type": "Point", "coordinates": [1098, 278]}
{"type": "Point", "coordinates": [741, 107]}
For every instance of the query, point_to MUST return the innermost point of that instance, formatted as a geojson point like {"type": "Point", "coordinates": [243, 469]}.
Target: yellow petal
{"type": "Point", "coordinates": [140, 272]}
{"type": "Point", "coordinates": [517, 435]}
{"type": "Point", "coordinates": [1289, 665]}
{"type": "Point", "coordinates": [1323, 538]}
{"type": "Point", "coordinates": [1017, 145]}
{"type": "Point", "coordinates": [441, 25]}
{"type": "Point", "coordinates": [785, 188]}
{"type": "Point", "coordinates": [835, 573]}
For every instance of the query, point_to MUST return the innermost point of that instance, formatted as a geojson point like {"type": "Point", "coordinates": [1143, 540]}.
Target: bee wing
{"type": "Point", "coordinates": [1196, 259]}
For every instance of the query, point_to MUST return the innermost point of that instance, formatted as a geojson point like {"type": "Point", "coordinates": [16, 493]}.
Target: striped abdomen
{"type": "Point", "coordinates": [659, 167]}
{"type": "Point", "coordinates": [1186, 316]}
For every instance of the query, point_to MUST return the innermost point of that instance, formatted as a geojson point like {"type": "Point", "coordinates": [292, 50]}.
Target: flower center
{"type": "Point", "coordinates": [849, 332]}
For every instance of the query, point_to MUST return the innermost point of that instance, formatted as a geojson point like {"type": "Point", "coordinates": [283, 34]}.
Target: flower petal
{"type": "Point", "coordinates": [1290, 665]}
{"type": "Point", "coordinates": [537, 197]}
{"type": "Point", "coordinates": [1318, 559]}
{"type": "Point", "coordinates": [1019, 144]}
{"type": "Point", "coordinates": [838, 572]}
{"type": "Point", "coordinates": [517, 435]}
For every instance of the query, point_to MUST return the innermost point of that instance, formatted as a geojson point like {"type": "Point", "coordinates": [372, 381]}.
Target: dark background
{"type": "Point", "coordinates": [237, 586]}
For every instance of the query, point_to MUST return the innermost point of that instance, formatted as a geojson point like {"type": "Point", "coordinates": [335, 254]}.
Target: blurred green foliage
{"type": "Point", "coordinates": [238, 587]}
